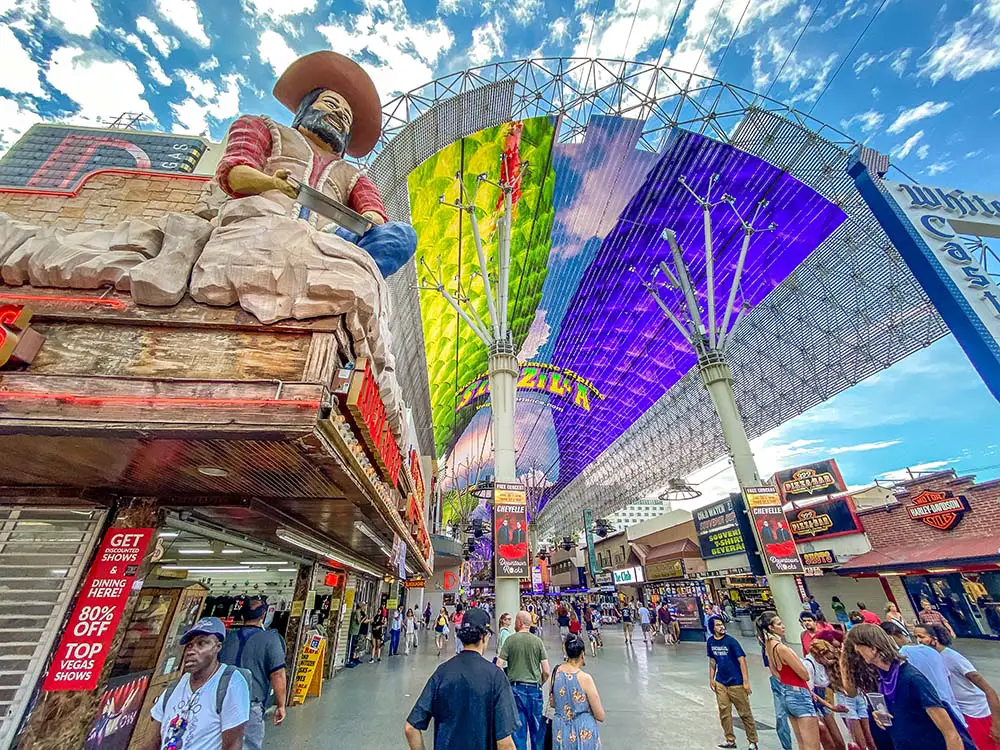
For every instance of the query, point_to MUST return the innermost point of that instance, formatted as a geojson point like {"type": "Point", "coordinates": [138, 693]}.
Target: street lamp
{"type": "Point", "coordinates": [496, 337]}
{"type": "Point", "coordinates": [710, 338]}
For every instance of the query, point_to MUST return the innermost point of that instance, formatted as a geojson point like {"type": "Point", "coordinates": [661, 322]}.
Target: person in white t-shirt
{"type": "Point", "coordinates": [209, 707]}
{"type": "Point", "coordinates": [978, 700]}
{"type": "Point", "coordinates": [645, 620]}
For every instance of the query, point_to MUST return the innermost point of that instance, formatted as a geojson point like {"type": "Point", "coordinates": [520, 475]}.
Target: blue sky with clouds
{"type": "Point", "coordinates": [922, 84]}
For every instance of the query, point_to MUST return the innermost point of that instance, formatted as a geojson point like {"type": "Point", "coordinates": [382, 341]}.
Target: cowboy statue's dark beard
{"type": "Point", "coordinates": [316, 123]}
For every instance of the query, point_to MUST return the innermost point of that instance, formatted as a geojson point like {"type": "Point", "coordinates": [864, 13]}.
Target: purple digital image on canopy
{"type": "Point", "coordinates": [614, 334]}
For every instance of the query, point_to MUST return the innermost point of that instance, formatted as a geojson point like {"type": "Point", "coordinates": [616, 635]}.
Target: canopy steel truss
{"type": "Point", "coordinates": [851, 309]}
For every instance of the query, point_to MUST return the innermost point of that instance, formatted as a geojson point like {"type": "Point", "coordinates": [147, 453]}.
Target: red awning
{"type": "Point", "coordinates": [675, 550]}
{"type": "Point", "coordinates": [902, 557]}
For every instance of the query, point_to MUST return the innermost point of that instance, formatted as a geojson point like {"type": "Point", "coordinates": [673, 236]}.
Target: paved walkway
{"type": "Point", "coordinates": [655, 694]}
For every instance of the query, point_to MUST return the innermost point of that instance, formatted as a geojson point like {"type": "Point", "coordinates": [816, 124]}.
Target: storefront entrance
{"type": "Point", "coordinates": [967, 600]}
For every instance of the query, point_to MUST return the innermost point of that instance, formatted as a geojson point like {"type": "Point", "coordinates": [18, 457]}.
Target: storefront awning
{"type": "Point", "coordinates": [920, 556]}
{"type": "Point", "coordinates": [673, 551]}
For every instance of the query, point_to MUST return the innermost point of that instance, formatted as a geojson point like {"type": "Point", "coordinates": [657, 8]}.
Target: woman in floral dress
{"type": "Point", "coordinates": [576, 701]}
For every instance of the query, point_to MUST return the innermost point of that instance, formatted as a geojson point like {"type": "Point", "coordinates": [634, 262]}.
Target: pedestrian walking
{"type": "Point", "coordinates": [976, 698]}
{"type": "Point", "coordinates": [782, 726]}
{"type": "Point", "coordinates": [840, 612]}
{"type": "Point", "coordinates": [588, 624]}
{"type": "Point", "coordinates": [468, 698]}
{"type": "Point", "coordinates": [576, 702]}
{"type": "Point", "coordinates": [506, 625]}
{"type": "Point", "coordinates": [598, 617]}
{"type": "Point", "coordinates": [427, 617]}
{"type": "Point", "coordinates": [562, 617]}
{"type": "Point", "coordinates": [378, 635]}
{"type": "Point", "coordinates": [209, 706]}
{"type": "Point", "coordinates": [524, 659]}
{"type": "Point", "coordinates": [664, 618]}
{"type": "Point", "coordinates": [395, 631]}
{"type": "Point", "coordinates": [904, 703]}
{"type": "Point", "coordinates": [409, 632]}
{"type": "Point", "coordinates": [645, 620]}
{"type": "Point", "coordinates": [456, 623]}
{"type": "Point", "coordinates": [796, 697]}
{"type": "Point", "coordinates": [441, 629]}
{"type": "Point", "coordinates": [627, 625]}
{"type": "Point", "coordinates": [262, 653]}
{"type": "Point", "coordinates": [858, 726]}
{"type": "Point", "coordinates": [811, 627]}
{"type": "Point", "coordinates": [353, 633]}
{"type": "Point", "coordinates": [729, 680]}
{"type": "Point", "coordinates": [866, 615]}
{"type": "Point", "coordinates": [930, 616]}
{"type": "Point", "coordinates": [574, 623]}
{"type": "Point", "coordinates": [814, 606]}
{"type": "Point", "coordinates": [821, 661]}
{"type": "Point", "coordinates": [930, 663]}
{"type": "Point", "coordinates": [892, 614]}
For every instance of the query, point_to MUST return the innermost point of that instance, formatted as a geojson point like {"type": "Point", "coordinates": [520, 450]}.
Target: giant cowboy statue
{"type": "Point", "coordinates": [276, 249]}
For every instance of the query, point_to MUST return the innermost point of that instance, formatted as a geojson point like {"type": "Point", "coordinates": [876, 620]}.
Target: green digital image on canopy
{"type": "Point", "coordinates": [455, 356]}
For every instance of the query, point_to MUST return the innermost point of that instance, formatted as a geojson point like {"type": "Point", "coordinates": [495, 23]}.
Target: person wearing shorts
{"type": "Point", "coordinates": [645, 621]}
{"type": "Point", "coordinates": [627, 623]}
{"type": "Point", "coordinates": [857, 717]}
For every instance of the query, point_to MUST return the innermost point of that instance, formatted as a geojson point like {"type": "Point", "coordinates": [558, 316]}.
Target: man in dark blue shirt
{"type": "Point", "coordinates": [468, 697]}
{"type": "Point", "coordinates": [728, 678]}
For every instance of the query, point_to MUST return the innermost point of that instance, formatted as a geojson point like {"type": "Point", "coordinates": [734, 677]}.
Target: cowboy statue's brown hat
{"type": "Point", "coordinates": [328, 70]}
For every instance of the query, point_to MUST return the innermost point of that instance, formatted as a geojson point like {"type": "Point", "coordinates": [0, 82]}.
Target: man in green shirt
{"type": "Point", "coordinates": [523, 656]}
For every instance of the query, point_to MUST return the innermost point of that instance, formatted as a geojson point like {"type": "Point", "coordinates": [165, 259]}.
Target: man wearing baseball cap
{"type": "Point", "coordinates": [209, 706]}
{"type": "Point", "coordinates": [468, 697]}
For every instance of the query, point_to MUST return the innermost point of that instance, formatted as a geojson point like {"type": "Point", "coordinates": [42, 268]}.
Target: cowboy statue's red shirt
{"type": "Point", "coordinates": [250, 145]}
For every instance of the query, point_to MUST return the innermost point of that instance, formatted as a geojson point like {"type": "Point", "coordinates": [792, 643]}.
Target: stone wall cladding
{"type": "Point", "coordinates": [106, 199]}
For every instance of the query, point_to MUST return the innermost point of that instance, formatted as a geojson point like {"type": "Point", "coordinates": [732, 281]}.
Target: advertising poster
{"type": "Point", "coordinates": [777, 547]}
{"type": "Point", "coordinates": [84, 645]}
{"type": "Point", "coordinates": [833, 517]}
{"type": "Point", "coordinates": [718, 530]}
{"type": "Point", "coordinates": [812, 480]}
{"type": "Point", "coordinates": [510, 532]}
{"type": "Point", "coordinates": [309, 673]}
{"type": "Point", "coordinates": [119, 708]}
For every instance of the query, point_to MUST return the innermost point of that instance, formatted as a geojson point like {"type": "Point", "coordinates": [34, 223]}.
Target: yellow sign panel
{"type": "Point", "coordinates": [309, 674]}
{"type": "Point", "coordinates": [297, 607]}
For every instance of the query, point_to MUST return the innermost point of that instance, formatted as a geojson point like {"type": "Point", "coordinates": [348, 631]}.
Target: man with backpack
{"type": "Point", "coordinates": [209, 706]}
{"type": "Point", "coordinates": [262, 653]}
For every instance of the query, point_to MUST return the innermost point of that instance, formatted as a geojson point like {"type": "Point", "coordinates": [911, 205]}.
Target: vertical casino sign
{"type": "Point", "coordinates": [87, 638]}
{"type": "Point", "coordinates": [510, 532]}
{"type": "Point", "coordinates": [774, 537]}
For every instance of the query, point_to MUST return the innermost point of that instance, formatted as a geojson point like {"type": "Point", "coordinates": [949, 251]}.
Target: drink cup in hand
{"type": "Point", "coordinates": [880, 711]}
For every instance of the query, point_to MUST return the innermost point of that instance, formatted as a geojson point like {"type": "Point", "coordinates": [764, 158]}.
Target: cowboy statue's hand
{"type": "Point", "coordinates": [374, 217]}
{"type": "Point", "coordinates": [280, 181]}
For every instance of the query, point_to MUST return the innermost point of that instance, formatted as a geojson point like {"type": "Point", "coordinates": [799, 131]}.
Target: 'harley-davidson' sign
{"type": "Point", "coordinates": [939, 510]}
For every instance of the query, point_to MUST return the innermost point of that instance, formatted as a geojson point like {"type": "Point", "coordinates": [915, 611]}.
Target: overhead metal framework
{"type": "Point", "coordinates": [851, 309]}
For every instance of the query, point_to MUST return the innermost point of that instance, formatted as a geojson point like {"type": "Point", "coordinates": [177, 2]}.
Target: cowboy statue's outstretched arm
{"type": "Point", "coordinates": [246, 180]}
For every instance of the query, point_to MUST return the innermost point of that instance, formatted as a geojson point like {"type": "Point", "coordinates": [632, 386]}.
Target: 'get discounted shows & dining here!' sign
{"type": "Point", "coordinates": [87, 638]}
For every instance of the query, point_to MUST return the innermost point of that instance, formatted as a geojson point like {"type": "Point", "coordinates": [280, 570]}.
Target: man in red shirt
{"type": "Point", "coordinates": [811, 628]}
{"type": "Point", "coordinates": [871, 617]}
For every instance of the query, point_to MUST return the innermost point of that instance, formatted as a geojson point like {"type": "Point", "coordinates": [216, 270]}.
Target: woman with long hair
{"type": "Point", "coordinates": [787, 667]}
{"type": "Point", "coordinates": [892, 614]}
{"type": "Point", "coordinates": [378, 633]}
{"type": "Point", "coordinates": [858, 725]}
{"type": "Point", "coordinates": [576, 701]}
{"type": "Point", "coordinates": [914, 716]}
{"type": "Point", "coordinates": [505, 625]}
{"type": "Point", "coordinates": [822, 661]}
{"type": "Point", "coordinates": [441, 629]}
{"type": "Point", "coordinates": [409, 632]}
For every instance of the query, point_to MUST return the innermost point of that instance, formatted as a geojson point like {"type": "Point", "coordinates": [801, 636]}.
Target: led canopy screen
{"type": "Point", "coordinates": [596, 351]}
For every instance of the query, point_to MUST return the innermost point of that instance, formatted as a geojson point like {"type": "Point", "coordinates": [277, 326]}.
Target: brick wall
{"type": "Point", "coordinates": [893, 526]}
{"type": "Point", "coordinates": [104, 200]}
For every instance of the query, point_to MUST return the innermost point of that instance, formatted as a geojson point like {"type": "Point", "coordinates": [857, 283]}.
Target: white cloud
{"type": "Point", "coordinates": [275, 51]}
{"type": "Point", "coordinates": [405, 50]}
{"type": "Point", "coordinates": [805, 77]}
{"type": "Point", "coordinates": [524, 12]}
{"type": "Point", "coordinates": [863, 447]}
{"type": "Point", "coordinates": [487, 42]}
{"type": "Point", "coordinates": [939, 167]}
{"type": "Point", "coordinates": [558, 30]}
{"type": "Point", "coordinates": [76, 16]}
{"type": "Point", "coordinates": [155, 69]}
{"type": "Point", "coordinates": [448, 7]}
{"type": "Point", "coordinates": [924, 151]}
{"type": "Point", "coordinates": [868, 121]}
{"type": "Point", "coordinates": [900, 60]}
{"type": "Point", "coordinates": [15, 119]}
{"type": "Point", "coordinates": [206, 100]}
{"type": "Point", "coordinates": [185, 15]}
{"type": "Point", "coordinates": [864, 61]}
{"type": "Point", "coordinates": [164, 44]}
{"type": "Point", "coordinates": [968, 48]}
{"type": "Point", "coordinates": [278, 9]}
{"type": "Point", "coordinates": [210, 64]}
{"type": "Point", "coordinates": [903, 150]}
{"type": "Point", "coordinates": [921, 112]}
{"type": "Point", "coordinates": [900, 475]}
{"type": "Point", "coordinates": [18, 73]}
{"type": "Point", "coordinates": [73, 71]}
{"type": "Point", "coordinates": [538, 335]}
